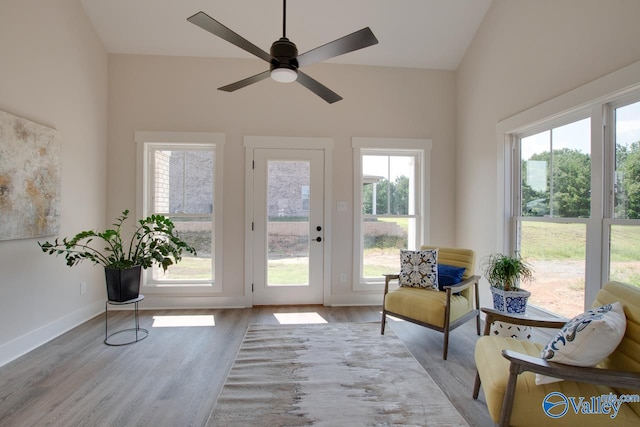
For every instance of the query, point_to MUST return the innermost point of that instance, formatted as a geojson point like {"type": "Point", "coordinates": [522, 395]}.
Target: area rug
{"type": "Point", "coordinates": [341, 374]}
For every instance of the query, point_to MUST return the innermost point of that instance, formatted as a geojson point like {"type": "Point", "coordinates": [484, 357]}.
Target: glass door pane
{"type": "Point", "coordinates": [288, 193]}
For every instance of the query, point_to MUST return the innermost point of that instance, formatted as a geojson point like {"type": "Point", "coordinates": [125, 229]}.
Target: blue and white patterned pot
{"type": "Point", "coordinates": [514, 302]}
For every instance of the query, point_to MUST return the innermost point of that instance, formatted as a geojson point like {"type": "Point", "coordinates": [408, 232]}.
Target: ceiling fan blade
{"type": "Point", "coordinates": [246, 82]}
{"type": "Point", "coordinates": [318, 88]}
{"type": "Point", "coordinates": [207, 23]}
{"type": "Point", "coordinates": [354, 41]}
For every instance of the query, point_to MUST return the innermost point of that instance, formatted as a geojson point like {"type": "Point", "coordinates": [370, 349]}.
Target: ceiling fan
{"type": "Point", "coordinates": [283, 57]}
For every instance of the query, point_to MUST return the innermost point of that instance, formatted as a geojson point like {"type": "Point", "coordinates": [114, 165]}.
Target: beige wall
{"type": "Point", "coordinates": [524, 53]}
{"type": "Point", "coordinates": [153, 93]}
{"type": "Point", "coordinates": [53, 70]}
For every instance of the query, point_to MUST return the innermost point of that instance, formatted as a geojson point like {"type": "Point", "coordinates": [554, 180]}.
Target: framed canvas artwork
{"type": "Point", "coordinates": [30, 171]}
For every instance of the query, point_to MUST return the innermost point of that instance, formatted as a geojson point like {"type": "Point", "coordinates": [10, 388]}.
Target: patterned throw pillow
{"type": "Point", "coordinates": [419, 269]}
{"type": "Point", "coordinates": [518, 332]}
{"type": "Point", "coordinates": [586, 339]}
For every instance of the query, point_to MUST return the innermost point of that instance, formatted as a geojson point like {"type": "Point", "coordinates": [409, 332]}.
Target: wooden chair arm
{"type": "Point", "coordinates": [520, 363]}
{"type": "Point", "coordinates": [517, 319]}
{"type": "Point", "coordinates": [466, 283]}
{"type": "Point", "coordinates": [388, 278]}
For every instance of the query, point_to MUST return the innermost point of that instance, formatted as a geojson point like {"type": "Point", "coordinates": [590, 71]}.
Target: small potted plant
{"type": "Point", "coordinates": [505, 274]}
{"type": "Point", "coordinates": [154, 241]}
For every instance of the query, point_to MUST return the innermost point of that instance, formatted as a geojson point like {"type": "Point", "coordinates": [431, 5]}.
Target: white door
{"type": "Point", "coordinates": [288, 226]}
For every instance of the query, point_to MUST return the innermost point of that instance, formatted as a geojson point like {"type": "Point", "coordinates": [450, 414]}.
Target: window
{"type": "Point", "coordinates": [556, 172]}
{"type": "Point", "coordinates": [624, 226]}
{"type": "Point", "coordinates": [555, 193]}
{"type": "Point", "coordinates": [391, 192]}
{"type": "Point", "coordinates": [181, 180]}
{"type": "Point", "coordinates": [571, 195]}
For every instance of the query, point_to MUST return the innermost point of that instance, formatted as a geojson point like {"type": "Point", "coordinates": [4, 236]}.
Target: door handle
{"type": "Point", "coordinates": [318, 239]}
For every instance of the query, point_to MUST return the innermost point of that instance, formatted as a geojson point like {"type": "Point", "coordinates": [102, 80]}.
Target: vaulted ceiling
{"type": "Point", "coordinates": [432, 34]}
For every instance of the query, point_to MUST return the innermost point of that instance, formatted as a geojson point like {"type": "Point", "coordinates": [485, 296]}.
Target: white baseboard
{"type": "Point", "coordinates": [355, 299]}
{"type": "Point", "coordinates": [161, 302]}
{"type": "Point", "coordinates": [19, 346]}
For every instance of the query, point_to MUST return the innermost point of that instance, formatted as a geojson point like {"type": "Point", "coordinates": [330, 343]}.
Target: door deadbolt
{"type": "Point", "coordinates": [318, 228]}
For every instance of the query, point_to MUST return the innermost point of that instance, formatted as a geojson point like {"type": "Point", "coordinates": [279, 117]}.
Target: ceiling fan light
{"type": "Point", "coordinates": [284, 75]}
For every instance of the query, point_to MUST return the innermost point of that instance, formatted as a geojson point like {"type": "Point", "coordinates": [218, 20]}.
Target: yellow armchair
{"type": "Point", "coordinates": [442, 311]}
{"type": "Point", "coordinates": [507, 368]}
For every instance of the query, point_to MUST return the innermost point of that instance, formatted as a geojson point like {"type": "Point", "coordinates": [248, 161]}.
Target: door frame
{"type": "Point", "coordinates": [292, 143]}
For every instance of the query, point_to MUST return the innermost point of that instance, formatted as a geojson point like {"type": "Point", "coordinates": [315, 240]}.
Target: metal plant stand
{"type": "Point", "coordinates": [140, 333]}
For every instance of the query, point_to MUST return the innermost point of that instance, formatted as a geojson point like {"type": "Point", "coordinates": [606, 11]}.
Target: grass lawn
{"type": "Point", "coordinates": [292, 271]}
{"type": "Point", "coordinates": [543, 240]}
{"type": "Point", "coordinates": [567, 241]}
{"type": "Point", "coordinates": [187, 268]}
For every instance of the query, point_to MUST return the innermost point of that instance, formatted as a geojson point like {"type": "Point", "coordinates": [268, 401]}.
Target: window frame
{"type": "Point", "coordinates": [421, 149]}
{"type": "Point", "coordinates": [517, 218]}
{"type": "Point", "coordinates": [609, 219]}
{"type": "Point", "coordinates": [517, 164]}
{"type": "Point", "coordinates": [597, 97]}
{"type": "Point", "coordinates": [147, 142]}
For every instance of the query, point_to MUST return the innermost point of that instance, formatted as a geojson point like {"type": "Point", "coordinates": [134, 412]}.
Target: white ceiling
{"type": "Point", "coordinates": [431, 34]}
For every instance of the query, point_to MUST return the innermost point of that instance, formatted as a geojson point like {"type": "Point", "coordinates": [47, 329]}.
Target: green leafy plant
{"type": "Point", "coordinates": [506, 272]}
{"type": "Point", "coordinates": [154, 241]}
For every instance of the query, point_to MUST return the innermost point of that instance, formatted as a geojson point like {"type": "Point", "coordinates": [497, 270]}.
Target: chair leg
{"type": "Point", "coordinates": [445, 350]}
{"type": "Point", "coordinates": [509, 397]}
{"type": "Point", "coordinates": [383, 322]}
{"type": "Point", "coordinates": [476, 387]}
{"type": "Point", "coordinates": [447, 322]}
{"type": "Point", "coordinates": [477, 298]}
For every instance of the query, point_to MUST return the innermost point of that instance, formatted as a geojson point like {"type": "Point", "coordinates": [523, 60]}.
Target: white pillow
{"type": "Point", "coordinates": [419, 269]}
{"type": "Point", "coordinates": [586, 339]}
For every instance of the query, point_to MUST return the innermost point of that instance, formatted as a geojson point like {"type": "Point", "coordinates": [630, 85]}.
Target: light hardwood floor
{"type": "Point", "coordinates": [173, 377]}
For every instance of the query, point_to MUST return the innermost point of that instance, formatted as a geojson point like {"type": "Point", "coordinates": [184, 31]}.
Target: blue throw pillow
{"type": "Point", "coordinates": [449, 275]}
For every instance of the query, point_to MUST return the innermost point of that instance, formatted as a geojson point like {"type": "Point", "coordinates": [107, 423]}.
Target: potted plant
{"type": "Point", "coordinates": [505, 274]}
{"type": "Point", "coordinates": [154, 241]}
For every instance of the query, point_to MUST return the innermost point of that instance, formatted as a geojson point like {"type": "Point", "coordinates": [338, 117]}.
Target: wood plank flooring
{"type": "Point", "coordinates": [173, 377]}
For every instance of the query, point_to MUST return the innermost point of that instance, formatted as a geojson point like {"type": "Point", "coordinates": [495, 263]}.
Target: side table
{"type": "Point", "coordinates": [140, 333]}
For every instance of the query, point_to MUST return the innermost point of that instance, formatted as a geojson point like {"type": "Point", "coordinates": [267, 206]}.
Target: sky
{"type": "Point", "coordinates": [628, 124]}
{"type": "Point", "coordinates": [390, 167]}
{"type": "Point", "coordinates": [576, 135]}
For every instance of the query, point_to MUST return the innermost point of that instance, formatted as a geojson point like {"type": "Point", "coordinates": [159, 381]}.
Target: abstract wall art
{"type": "Point", "coordinates": [30, 171]}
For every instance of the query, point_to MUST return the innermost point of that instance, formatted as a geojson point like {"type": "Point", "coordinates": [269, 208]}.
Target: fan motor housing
{"type": "Point", "coordinates": [285, 52]}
